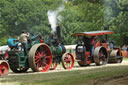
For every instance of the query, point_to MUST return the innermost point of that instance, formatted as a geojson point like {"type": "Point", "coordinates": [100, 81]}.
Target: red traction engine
{"type": "Point", "coordinates": [99, 53]}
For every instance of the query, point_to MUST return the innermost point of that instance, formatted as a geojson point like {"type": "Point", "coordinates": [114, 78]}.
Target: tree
{"type": "Point", "coordinates": [78, 16]}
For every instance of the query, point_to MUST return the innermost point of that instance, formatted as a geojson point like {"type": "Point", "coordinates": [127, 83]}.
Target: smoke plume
{"type": "Point", "coordinates": [54, 17]}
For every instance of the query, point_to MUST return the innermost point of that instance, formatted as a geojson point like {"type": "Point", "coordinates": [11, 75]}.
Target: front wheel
{"type": "Point", "coordinates": [100, 56]}
{"type": "Point", "coordinates": [67, 61]}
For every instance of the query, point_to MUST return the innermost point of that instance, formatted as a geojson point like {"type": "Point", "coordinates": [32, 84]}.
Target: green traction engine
{"type": "Point", "coordinates": [38, 58]}
{"type": "Point", "coordinates": [59, 51]}
{"type": "Point", "coordinates": [41, 56]}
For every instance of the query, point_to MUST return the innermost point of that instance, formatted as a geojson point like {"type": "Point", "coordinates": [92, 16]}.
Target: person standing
{"type": "Point", "coordinates": [23, 39]}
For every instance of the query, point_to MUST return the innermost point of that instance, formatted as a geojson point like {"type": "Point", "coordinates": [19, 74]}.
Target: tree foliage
{"type": "Point", "coordinates": [77, 16]}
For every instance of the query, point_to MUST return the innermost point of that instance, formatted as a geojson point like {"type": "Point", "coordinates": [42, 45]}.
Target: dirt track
{"type": "Point", "coordinates": [76, 67]}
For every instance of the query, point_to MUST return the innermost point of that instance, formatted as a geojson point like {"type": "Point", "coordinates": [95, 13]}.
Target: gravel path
{"type": "Point", "coordinates": [76, 67]}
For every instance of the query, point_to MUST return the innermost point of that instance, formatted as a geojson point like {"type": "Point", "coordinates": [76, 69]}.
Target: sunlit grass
{"type": "Point", "coordinates": [125, 59]}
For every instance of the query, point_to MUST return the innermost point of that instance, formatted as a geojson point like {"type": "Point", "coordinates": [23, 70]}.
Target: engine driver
{"type": "Point", "coordinates": [23, 39]}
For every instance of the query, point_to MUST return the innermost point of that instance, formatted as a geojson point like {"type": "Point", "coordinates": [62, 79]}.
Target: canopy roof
{"type": "Point", "coordinates": [93, 33]}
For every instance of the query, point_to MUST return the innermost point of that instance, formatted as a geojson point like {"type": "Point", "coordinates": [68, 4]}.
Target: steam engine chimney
{"type": "Point", "coordinates": [106, 28]}
{"type": "Point", "coordinates": [58, 29]}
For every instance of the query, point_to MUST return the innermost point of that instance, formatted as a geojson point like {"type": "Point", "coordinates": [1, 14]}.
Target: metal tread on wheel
{"type": "Point", "coordinates": [100, 56]}
{"type": "Point", "coordinates": [4, 68]}
{"type": "Point", "coordinates": [67, 61]}
{"type": "Point", "coordinates": [40, 57]}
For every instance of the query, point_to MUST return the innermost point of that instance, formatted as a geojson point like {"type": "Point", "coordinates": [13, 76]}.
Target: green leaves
{"type": "Point", "coordinates": [78, 16]}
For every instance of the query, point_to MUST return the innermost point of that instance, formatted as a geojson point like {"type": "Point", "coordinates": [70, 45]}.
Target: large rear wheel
{"type": "Point", "coordinates": [40, 57]}
{"type": "Point", "coordinates": [67, 61]}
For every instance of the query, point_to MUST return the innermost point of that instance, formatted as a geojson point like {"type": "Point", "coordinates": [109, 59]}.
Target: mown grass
{"type": "Point", "coordinates": [79, 77]}
{"type": "Point", "coordinates": [125, 59]}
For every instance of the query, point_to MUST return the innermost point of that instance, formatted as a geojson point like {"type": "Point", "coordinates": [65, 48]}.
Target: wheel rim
{"type": "Point", "coordinates": [100, 56]}
{"type": "Point", "coordinates": [68, 61]}
{"type": "Point", "coordinates": [4, 68]}
{"type": "Point", "coordinates": [54, 66]}
{"type": "Point", "coordinates": [40, 58]}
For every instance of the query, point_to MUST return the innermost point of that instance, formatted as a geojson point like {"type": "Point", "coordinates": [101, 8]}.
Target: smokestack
{"type": "Point", "coordinates": [106, 28]}
{"type": "Point", "coordinates": [58, 29]}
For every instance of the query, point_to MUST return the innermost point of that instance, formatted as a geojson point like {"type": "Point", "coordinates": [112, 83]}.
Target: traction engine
{"type": "Point", "coordinates": [59, 51]}
{"type": "Point", "coordinates": [38, 57]}
{"type": "Point", "coordinates": [41, 56]}
{"type": "Point", "coordinates": [100, 52]}
{"type": "Point", "coordinates": [84, 56]}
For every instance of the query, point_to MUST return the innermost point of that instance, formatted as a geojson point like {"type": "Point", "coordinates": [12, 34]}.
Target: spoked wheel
{"type": "Point", "coordinates": [40, 57]}
{"type": "Point", "coordinates": [53, 66]}
{"type": "Point", "coordinates": [67, 61]}
{"type": "Point", "coordinates": [4, 68]}
{"type": "Point", "coordinates": [100, 56]}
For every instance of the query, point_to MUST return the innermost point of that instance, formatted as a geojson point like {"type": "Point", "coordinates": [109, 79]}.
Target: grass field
{"type": "Point", "coordinates": [125, 59]}
{"type": "Point", "coordinates": [78, 77]}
